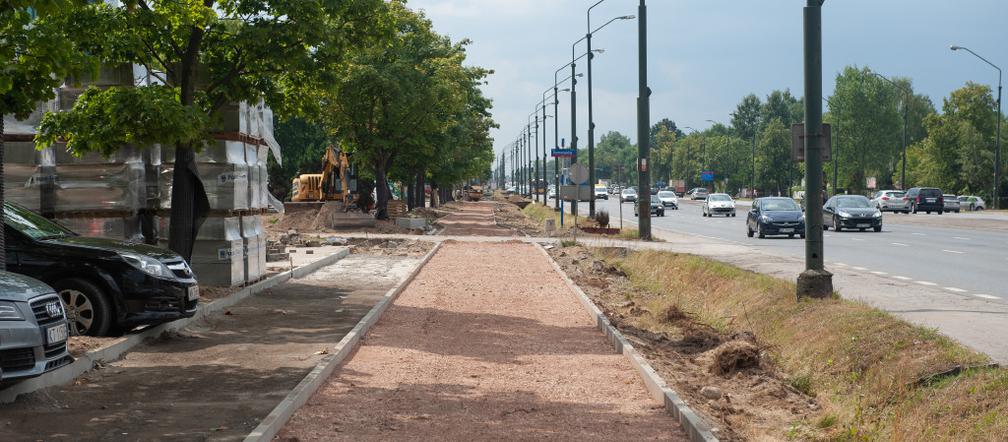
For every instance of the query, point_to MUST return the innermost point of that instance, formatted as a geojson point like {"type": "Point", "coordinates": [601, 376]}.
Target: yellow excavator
{"type": "Point", "coordinates": [335, 183]}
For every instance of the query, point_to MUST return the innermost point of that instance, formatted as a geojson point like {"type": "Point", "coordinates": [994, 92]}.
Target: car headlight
{"type": "Point", "coordinates": [765, 219]}
{"type": "Point", "coordinates": [10, 312]}
{"type": "Point", "coordinates": [146, 264]}
{"type": "Point", "coordinates": [878, 214]}
{"type": "Point", "coordinates": [844, 214]}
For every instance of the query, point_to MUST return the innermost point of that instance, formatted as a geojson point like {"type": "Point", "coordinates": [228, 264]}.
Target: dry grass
{"type": "Point", "coordinates": [539, 213]}
{"type": "Point", "coordinates": [862, 363]}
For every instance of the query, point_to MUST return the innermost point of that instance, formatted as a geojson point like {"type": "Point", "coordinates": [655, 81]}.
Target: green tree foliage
{"type": "Point", "coordinates": [775, 170]}
{"type": "Point", "coordinates": [304, 145]}
{"type": "Point", "coordinates": [615, 150]}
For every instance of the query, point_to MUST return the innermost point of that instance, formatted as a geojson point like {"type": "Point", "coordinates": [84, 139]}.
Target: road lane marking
{"type": "Point", "coordinates": [954, 251]}
{"type": "Point", "coordinates": [856, 239]}
{"type": "Point", "coordinates": [841, 264]}
{"type": "Point", "coordinates": [859, 268]}
{"type": "Point", "coordinates": [960, 238]}
{"type": "Point", "coordinates": [902, 278]}
{"type": "Point", "coordinates": [880, 273]}
{"type": "Point", "coordinates": [955, 289]}
{"type": "Point", "coordinates": [900, 244]}
{"type": "Point", "coordinates": [987, 296]}
{"type": "Point", "coordinates": [918, 234]}
{"type": "Point", "coordinates": [927, 283]}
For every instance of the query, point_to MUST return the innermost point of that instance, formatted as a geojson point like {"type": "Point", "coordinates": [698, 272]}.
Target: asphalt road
{"type": "Point", "coordinates": [959, 260]}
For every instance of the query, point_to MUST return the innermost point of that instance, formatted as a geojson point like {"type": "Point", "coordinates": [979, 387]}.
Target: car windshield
{"type": "Point", "coordinates": [897, 194]}
{"type": "Point", "coordinates": [853, 202]}
{"type": "Point", "coordinates": [930, 192]}
{"type": "Point", "coordinates": [779, 205]}
{"type": "Point", "coordinates": [666, 194]}
{"type": "Point", "coordinates": [655, 199]}
{"type": "Point", "coordinates": [33, 225]}
{"type": "Point", "coordinates": [720, 198]}
{"type": "Point", "coordinates": [629, 191]}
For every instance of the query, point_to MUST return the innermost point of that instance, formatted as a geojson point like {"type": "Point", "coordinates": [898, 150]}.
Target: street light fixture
{"type": "Point", "coordinates": [997, 140]}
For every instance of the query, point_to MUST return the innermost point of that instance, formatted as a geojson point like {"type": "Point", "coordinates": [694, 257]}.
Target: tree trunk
{"type": "Point", "coordinates": [410, 196]}
{"type": "Point", "coordinates": [421, 198]}
{"type": "Point", "coordinates": [189, 205]}
{"type": "Point", "coordinates": [382, 189]}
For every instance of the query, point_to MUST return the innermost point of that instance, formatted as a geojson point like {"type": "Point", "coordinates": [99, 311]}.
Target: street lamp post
{"type": "Point", "coordinates": [997, 140]}
{"type": "Point", "coordinates": [689, 175]}
{"type": "Point", "coordinates": [573, 77]}
{"type": "Point", "coordinates": [815, 281]}
{"type": "Point", "coordinates": [556, 131]}
{"type": "Point", "coordinates": [643, 119]}
{"type": "Point", "coordinates": [906, 103]}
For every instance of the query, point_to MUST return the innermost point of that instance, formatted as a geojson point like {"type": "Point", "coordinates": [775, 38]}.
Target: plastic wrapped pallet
{"type": "Point", "coordinates": [25, 172]}
{"type": "Point", "coordinates": [127, 227]}
{"type": "Point", "coordinates": [218, 253]}
{"type": "Point", "coordinates": [255, 247]}
{"type": "Point", "coordinates": [223, 171]}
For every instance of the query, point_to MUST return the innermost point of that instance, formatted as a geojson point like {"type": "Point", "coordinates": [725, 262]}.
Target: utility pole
{"type": "Point", "coordinates": [997, 136]}
{"type": "Point", "coordinates": [643, 123]}
{"type": "Point", "coordinates": [556, 144]}
{"type": "Point", "coordinates": [815, 281]}
{"type": "Point", "coordinates": [573, 101]}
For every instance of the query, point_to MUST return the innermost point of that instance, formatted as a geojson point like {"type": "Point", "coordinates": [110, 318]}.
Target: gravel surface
{"type": "Point", "coordinates": [473, 219]}
{"type": "Point", "coordinates": [486, 343]}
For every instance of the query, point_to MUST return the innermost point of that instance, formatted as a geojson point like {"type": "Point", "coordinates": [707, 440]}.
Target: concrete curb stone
{"type": "Point", "coordinates": [696, 427]}
{"type": "Point", "coordinates": [274, 422]}
{"type": "Point", "coordinates": [117, 348]}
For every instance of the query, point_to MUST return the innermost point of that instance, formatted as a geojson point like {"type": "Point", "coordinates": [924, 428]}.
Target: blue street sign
{"type": "Point", "coordinates": [562, 153]}
{"type": "Point", "coordinates": [707, 175]}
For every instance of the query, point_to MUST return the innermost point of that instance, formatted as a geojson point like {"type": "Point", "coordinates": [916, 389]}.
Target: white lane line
{"type": "Point", "coordinates": [900, 244]}
{"type": "Point", "coordinates": [827, 236]}
{"type": "Point", "coordinates": [918, 234]}
{"type": "Point", "coordinates": [860, 269]}
{"type": "Point", "coordinates": [960, 238]}
{"type": "Point", "coordinates": [880, 273]}
{"type": "Point", "coordinates": [987, 296]}
{"type": "Point", "coordinates": [856, 239]}
{"type": "Point", "coordinates": [902, 278]}
{"type": "Point", "coordinates": [841, 264]}
{"type": "Point", "coordinates": [954, 251]}
{"type": "Point", "coordinates": [955, 289]}
{"type": "Point", "coordinates": [927, 283]}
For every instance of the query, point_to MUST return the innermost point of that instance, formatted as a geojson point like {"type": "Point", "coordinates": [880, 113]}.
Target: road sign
{"type": "Point", "coordinates": [798, 142]}
{"type": "Point", "coordinates": [562, 153]}
{"type": "Point", "coordinates": [707, 175]}
{"type": "Point", "coordinates": [579, 174]}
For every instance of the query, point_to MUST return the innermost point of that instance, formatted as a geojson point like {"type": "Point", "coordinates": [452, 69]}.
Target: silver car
{"type": "Point", "coordinates": [33, 329]}
{"type": "Point", "coordinates": [891, 201]}
{"type": "Point", "coordinates": [698, 193]}
{"type": "Point", "coordinates": [951, 203]}
{"type": "Point", "coordinates": [718, 204]}
{"type": "Point", "coordinates": [972, 203]}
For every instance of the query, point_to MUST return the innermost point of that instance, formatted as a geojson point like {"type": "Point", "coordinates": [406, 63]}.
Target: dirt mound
{"type": "Point", "coordinates": [734, 356]}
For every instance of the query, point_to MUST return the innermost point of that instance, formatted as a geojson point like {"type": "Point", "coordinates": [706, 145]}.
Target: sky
{"type": "Point", "coordinates": [705, 55]}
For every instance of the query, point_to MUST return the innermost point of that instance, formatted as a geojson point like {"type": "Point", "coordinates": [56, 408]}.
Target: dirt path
{"type": "Point", "coordinates": [218, 378]}
{"type": "Point", "coordinates": [470, 353]}
{"type": "Point", "coordinates": [473, 219]}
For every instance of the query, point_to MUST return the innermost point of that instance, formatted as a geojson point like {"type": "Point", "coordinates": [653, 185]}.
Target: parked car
{"type": "Point", "coordinates": [551, 192]}
{"type": "Point", "coordinates": [775, 216]}
{"type": "Point", "coordinates": [951, 203]}
{"type": "Point", "coordinates": [33, 329]}
{"type": "Point", "coordinates": [891, 200]}
{"type": "Point", "coordinates": [719, 204]}
{"type": "Point", "coordinates": [972, 203]}
{"type": "Point", "coordinates": [927, 199]}
{"type": "Point", "coordinates": [698, 193]}
{"type": "Point", "coordinates": [105, 284]}
{"type": "Point", "coordinates": [668, 198]}
{"type": "Point", "coordinates": [656, 208]}
{"type": "Point", "coordinates": [601, 193]}
{"type": "Point", "coordinates": [628, 195]}
{"type": "Point", "coordinates": [851, 212]}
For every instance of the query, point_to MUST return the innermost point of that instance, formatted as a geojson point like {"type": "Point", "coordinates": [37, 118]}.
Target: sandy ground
{"type": "Point", "coordinates": [470, 351]}
{"type": "Point", "coordinates": [216, 379]}
{"type": "Point", "coordinates": [473, 219]}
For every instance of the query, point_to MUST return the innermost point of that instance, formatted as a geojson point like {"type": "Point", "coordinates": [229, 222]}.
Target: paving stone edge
{"type": "Point", "coordinates": [274, 422]}
{"type": "Point", "coordinates": [117, 348]}
{"type": "Point", "coordinates": [696, 427]}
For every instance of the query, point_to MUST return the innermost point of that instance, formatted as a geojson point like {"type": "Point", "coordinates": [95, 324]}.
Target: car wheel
{"type": "Point", "coordinates": [836, 224]}
{"type": "Point", "coordinates": [825, 227]}
{"type": "Point", "coordinates": [761, 234]}
{"type": "Point", "coordinates": [790, 236]}
{"type": "Point", "coordinates": [749, 232]}
{"type": "Point", "coordinates": [861, 230]}
{"type": "Point", "coordinates": [801, 235]}
{"type": "Point", "coordinates": [88, 311]}
{"type": "Point", "coordinates": [940, 212]}
{"type": "Point", "coordinates": [878, 229]}
{"type": "Point", "coordinates": [913, 209]}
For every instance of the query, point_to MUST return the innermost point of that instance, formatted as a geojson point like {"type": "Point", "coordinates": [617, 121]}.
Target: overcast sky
{"type": "Point", "coordinates": [705, 55]}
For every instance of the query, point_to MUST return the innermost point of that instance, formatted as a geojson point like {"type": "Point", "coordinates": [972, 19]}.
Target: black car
{"type": "Point", "coordinates": [926, 199]}
{"type": "Point", "coordinates": [657, 208]}
{"type": "Point", "coordinates": [106, 285]}
{"type": "Point", "coordinates": [851, 212]}
{"type": "Point", "coordinates": [775, 216]}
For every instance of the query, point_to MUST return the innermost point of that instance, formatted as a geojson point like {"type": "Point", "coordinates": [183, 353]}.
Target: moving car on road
{"type": "Point", "coordinates": [951, 203]}
{"type": "Point", "coordinates": [775, 216]}
{"type": "Point", "coordinates": [668, 199]}
{"type": "Point", "coordinates": [718, 204]}
{"type": "Point", "coordinates": [928, 199]}
{"type": "Point", "coordinates": [33, 329]}
{"type": "Point", "coordinates": [891, 200]}
{"type": "Point", "coordinates": [972, 203]}
{"type": "Point", "coordinates": [851, 212]}
{"type": "Point", "coordinates": [601, 192]}
{"type": "Point", "coordinates": [697, 193]}
{"type": "Point", "coordinates": [628, 195]}
{"type": "Point", "coordinates": [105, 284]}
{"type": "Point", "coordinates": [656, 207]}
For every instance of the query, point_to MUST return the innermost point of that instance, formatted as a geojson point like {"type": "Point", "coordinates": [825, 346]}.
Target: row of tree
{"type": "Point", "coordinates": [953, 150]}
{"type": "Point", "coordinates": [369, 75]}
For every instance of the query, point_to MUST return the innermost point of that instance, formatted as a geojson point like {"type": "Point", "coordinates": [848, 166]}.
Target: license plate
{"type": "Point", "coordinates": [193, 293]}
{"type": "Point", "coordinates": [56, 334]}
{"type": "Point", "coordinates": [863, 226]}
{"type": "Point", "coordinates": [787, 230]}
{"type": "Point", "coordinates": [931, 200]}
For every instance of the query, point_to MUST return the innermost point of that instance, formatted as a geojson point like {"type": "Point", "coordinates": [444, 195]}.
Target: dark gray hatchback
{"type": "Point", "coordinates": [33, 329]}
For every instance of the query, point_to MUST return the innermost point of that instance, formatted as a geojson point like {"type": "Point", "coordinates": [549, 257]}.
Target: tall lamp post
{"type": "Point", "coordinates": [997, 140]}
{"type": "Point", "coordinates": [591, 122]}
{"type": "Point", "coordinates": [643, 119]}
{"type": "Point", "coordinates": [556, 143]}
{"type": "Point", "coordinates": [556, 102]}
{"type": "Point", "coordinates": [815, 281]}
{"type": "Point", "coordinates": [689, 175]}
{"type": "Point", "coordinates": [906, 103]}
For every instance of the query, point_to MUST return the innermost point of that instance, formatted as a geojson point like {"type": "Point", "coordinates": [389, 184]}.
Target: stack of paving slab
{"type": "Point", "coordinates": [128, 196]}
